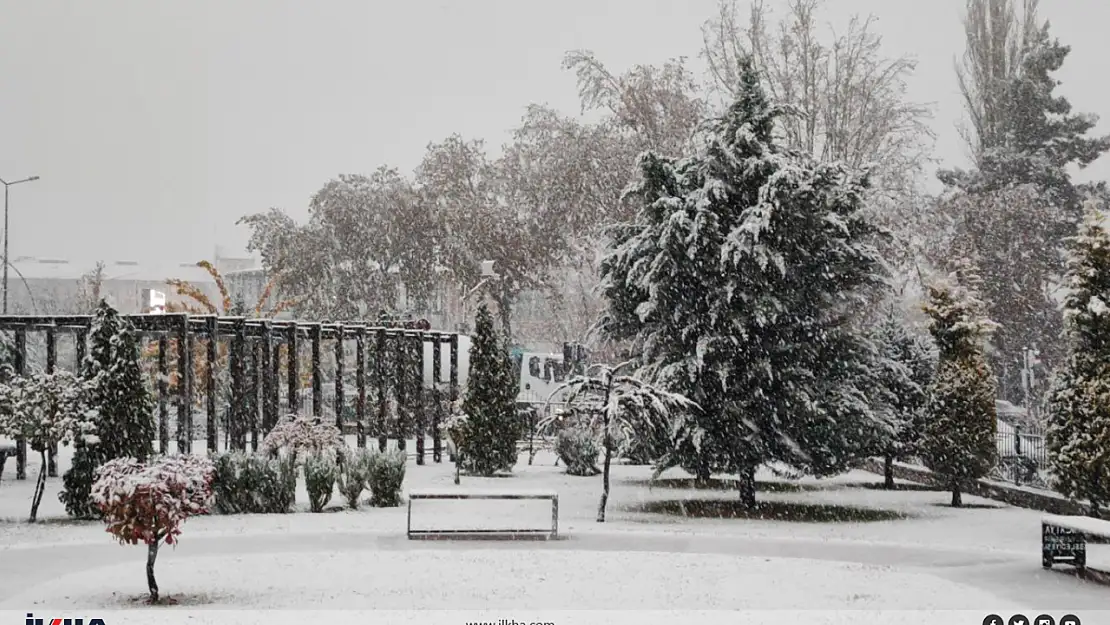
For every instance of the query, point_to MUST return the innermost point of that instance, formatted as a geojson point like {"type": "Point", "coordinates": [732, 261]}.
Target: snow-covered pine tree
{"type": "Point", "coordinates": [959, 438]}
{"type": "Point", "coordinates": [125, 410]}
{"type": "Point", "coordinates": [1078, 437]}
{"type": "Point", "coordinates": [492, 426]}
{"type": "Point", "coordinates": [737, 283]}
{"type": "Point", "coordinates": [905, 368]}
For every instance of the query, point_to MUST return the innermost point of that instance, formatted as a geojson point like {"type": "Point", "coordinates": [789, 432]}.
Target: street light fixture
{"type": "Point", "coordinates": [8, 185]}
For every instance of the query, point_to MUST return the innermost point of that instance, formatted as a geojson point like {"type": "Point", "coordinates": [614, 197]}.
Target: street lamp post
{"type": "Point", "coordinates": [7, 186]}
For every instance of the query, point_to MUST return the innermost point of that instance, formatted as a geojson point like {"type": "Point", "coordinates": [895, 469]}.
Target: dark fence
{"type": "Point", "coordinates": [1022, 454]}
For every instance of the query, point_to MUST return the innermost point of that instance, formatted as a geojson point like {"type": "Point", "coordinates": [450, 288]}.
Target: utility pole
{"type": "Point", "coordinates": [7, 263]}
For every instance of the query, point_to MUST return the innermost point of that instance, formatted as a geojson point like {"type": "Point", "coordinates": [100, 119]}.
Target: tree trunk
{"type": "Point", "coordinates": [957, 499]}
{"type": "Point", "coordinates": [40, 488]}
{"type": "Point", "coordinates": [703, 474]}
{"type": "Point", "coordinates": [151, 556]}
{"type": "Point", "coordinates": [605, 477]}
{"type": "Point", "coordinates": [607, 442]}
{"type": "Point", "coordinates": [888, 472]}
{"type": "Point", "coordinates": [1095, 511]}
{"type": "Point", "coordinates": [747, 487]}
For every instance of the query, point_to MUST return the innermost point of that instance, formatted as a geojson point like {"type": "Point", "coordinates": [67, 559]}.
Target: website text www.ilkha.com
{"type": "Point", "coordinates": [509, 621]}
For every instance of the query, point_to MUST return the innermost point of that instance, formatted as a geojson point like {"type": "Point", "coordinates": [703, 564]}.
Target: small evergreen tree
{"type": "Point", "coordinates": [959, 438]}
{"type": "Point", "coordinates": [904, 369]}
{"type": "Point", "coordinates": [492, 426]}
{"type": "Point", "coordinates": [125, 410]}
{"type": "Point", "coordinates": [1078, 437]}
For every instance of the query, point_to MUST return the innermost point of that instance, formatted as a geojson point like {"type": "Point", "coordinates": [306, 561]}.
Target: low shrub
{"type": "Point", "coordinates": [320, 473]}
{"type": "Point", "coordinates": [385, 477]}
{"type": "Point", "coordinates": [249, 483]}
{"type": "Point", "coordinates": [354, 473]}
{"type": "Point", "coordinates": [577, 448]}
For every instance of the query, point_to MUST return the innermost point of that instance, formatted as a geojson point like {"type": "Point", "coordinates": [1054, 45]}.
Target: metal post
{"type": "Point", "coordinates": [437, 369]}
{"type": "Point", "coordinates": [379, 367]}
{"type": "Point", "coordinates": [293, 372]}
{"type": "Point", "coordinates": [8, 185]}
{"type": "Point", "coordinates": [163, 393]}
{"type": "Point", "coordinates": [360, 382]}
{"type": "Point", "coordinates": [317, 374]}
{"type": "Point", "coordinates": [20, 369]}
{"type": "Point", "coordinates": [51, 362]}
{"type": "Point", "coordinates": [340, 371]}
{"type": "Point", "coordinates": [212, 324]}
{"type": "Point", "coordinates": [184, 388]}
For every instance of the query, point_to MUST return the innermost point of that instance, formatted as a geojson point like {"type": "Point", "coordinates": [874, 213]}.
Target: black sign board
{"type": "Point", "coordinates": [1061, 543]}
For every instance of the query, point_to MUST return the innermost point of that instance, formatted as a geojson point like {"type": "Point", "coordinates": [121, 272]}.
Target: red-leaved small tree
{"type": "Point", "coordinates": [147, 503]}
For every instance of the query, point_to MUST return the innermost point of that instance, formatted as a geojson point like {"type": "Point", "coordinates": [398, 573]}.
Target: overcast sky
{"type": "Point", "coordinates": [156, 124]}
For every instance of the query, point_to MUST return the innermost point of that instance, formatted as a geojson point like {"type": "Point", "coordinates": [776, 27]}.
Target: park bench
{"type": "Point", "coordinates": [505, 526]}
{"type": "Point", "coordinates": [1064, 539]}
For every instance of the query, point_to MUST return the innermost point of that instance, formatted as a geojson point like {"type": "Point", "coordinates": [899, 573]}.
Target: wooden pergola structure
{"type": "Point", "coordinates": [257, 348]}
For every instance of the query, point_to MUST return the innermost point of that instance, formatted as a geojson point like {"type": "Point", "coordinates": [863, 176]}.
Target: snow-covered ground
{"type": "Point", "coordinates": [926, 555]}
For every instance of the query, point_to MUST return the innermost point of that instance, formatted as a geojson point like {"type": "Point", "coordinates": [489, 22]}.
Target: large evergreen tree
{"type": "Point", "coordinates": [125, 421]}
{"type": "Point", "coordinates": [1079, 413]}
{"type": "Point", "coordinates": [737, 282]}
{"type": "Point", "coordinates": [959, 439]}
{"type": "Point", "coordinates": [492, 426]}
{"type": "Point", "coordinates": [1014, 210]}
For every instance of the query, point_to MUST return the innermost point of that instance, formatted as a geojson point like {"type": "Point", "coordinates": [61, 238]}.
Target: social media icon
{"type": "Point", "coordinates": [1018, 619]}
{"type": "Point", "coordinates": [1069, 619]}
{"type": "Point", "coordinates": [1045, 619]}
{"type": "Point", "coordinates": [993, 619]}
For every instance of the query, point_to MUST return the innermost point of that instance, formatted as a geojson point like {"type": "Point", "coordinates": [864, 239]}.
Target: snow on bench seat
{"type": "Point", "coordinates": [1084, 524]}
{"type": "Point", "coordinates": [463, 493]}
{"type": "Point", "coordinates": [485, 513]}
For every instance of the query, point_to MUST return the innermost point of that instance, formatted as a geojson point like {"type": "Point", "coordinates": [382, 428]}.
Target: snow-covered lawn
{"type": "Point", "coordinates": [926, 555]}
{"type": "Point", "coordinates": [491, 579]}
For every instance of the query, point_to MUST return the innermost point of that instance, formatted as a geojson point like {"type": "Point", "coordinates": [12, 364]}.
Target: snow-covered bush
{"type": "Point", "coordinates": [250, 483]}
{"type": "Point", "coordinates": [46, 409]}
{"type": "Point", "coordinates": [959, 438]}
{"type": "Point", "coordinates": [354, 472]}
{"type": "Point", "coordinates": [147, 503]}
{"type": "Point", "coordinates": [453, 430]}
{"type": "Point", "coordinates": [613, 407]}
{"type": "Point", "coordinates": [320, 473]}
{"type": "Point", "coordinates": [576, 447]}
{"type": "Point", "coordinates": [385, 478]}
{"type": "Point", "coordinates": [300, 436]}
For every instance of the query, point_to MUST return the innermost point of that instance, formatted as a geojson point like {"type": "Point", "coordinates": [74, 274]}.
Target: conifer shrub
{"type": "Point", "coordinates": [124, 407]}
{"type": "Point", "coordinates": [354, 474]}
{"type": "Point", "coordinates": [320, 473]}
{"type": "Point", "coordinates": [385, 478]}
{"type": "Point", "coordinates": [577, 448]}
{"type": "Point", "coordinates": [492, 427]}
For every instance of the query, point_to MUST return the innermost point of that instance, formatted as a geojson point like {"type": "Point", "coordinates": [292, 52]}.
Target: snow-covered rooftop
{"type": "Point", "coordinates": [67, 269]}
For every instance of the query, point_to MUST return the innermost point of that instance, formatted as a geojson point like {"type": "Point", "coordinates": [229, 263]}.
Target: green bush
{"type": "Point", "coordinates": [248, 483]}
{"type": "Point", "coordinates": [577, 448]}
{"type": "Point", "coordinates": [354, 473]}
{"type": "Point", "coordinates": [386, 474]}
{"type": "Point", "coordinates": [320, 473]}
